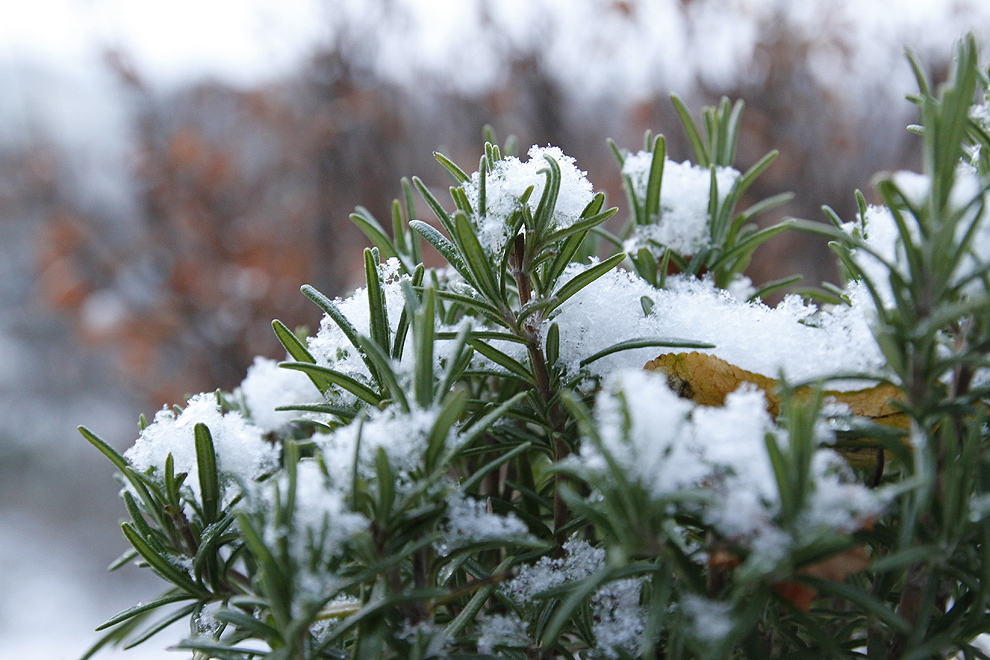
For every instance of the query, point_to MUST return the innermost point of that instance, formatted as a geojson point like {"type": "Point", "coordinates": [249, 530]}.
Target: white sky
{"type": "Point", "coordinates": [238, 40]}
{"type": "Point", "coordinates": [590, 47]}
{"type": "Point", "coordinates": [244, 41]}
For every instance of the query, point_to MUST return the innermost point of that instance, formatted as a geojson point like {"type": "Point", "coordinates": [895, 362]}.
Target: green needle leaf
{"type": "Point", "coordinates": [477, 477]}
{"type": "Point", "coordinates": [582, 225]}
{"type": "Point", "coordinates": [374, 231]}
{"type": "Point", "coordinates": [119, 461]}
{"type": "Point", "coordinates": [209, 484]}
{"type": "Point", "coordinates": [451, 166]}
{"type": "Point", "coordinates": [442, 215]}
{"type": "Point", "coordinates": [389, 380]}
{"type": "Point", "coordinates": [548, 201]}
{"type": "Point", "coordinates": [423, 340]}
{"type": "Point", "coordinates": [585, 278]}
{"type": "Point", "coordinates": [141, 608]}
{"type": "Point", "coordinates": [644, 342]}
{"type": "Point", "coordinates": [478, 262]}
{"type": "Point", "coordinates": [446, 249]}
{"type": "Point", "coordinates": [159, 563]}
{"type": "Point", "coordinates": [349, 383]}
{"type": "Point", "coordinates": [160, 625]}
{"type": "Point", "coordinates": [377, 309]}
{"type": "Point", "coordinates": [501, 359]}
{"type": "Point", "coordinates": [331, 310]}
{"type": "Point", "coordinates": [655, 179]}
{"type": "Point", "coordinates": [700, 152]}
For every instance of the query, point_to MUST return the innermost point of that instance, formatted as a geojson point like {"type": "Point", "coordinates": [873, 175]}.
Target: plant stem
{"type": "Point", "coordinates": [520, 263]}
{"type": "Point", "coordinates": [908, 607]}
{"type": "Point", "coordinates": [182, 525]}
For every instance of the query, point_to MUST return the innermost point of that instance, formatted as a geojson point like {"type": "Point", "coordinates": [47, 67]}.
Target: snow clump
{"type": "Point", "coordinates": [469, 521]}
{"type": "Point", "coordinates": [685, 192]}
{"type": "Point", "coordinates": [501, 630]}
{"type": "Point", "coordinates": [710, 619]}
{"type": "Point", "coordinates": [579, 561]}
{"type": "Point", "coordinates": [615, 607]}
{"type": "Point", "coordinates": [321, 525]}
{"type": "Point", "coordinates": [795, 337]}
{"type": "Point", "coordinates": [318, 506]}
{"type": "Point", "coordinates": [879, 231]}
{"type": "Point", "coordinates": [240, 446]}
{"type": "Point", "coordinates": [429, 637]}
{"type": "Point", "coordinates": [402, 435]}
{"type": "Point", "coordinates": [267, 387]}
{"type": "Point", "coordinates": [672, 446]}
{"type": "Point", "coordinates": [331, 346]}
{"type": "Point", "coordinates": [509, 179]}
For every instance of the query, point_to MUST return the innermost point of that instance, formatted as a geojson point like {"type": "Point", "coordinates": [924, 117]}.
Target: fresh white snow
{"type": "Point", "coordinates": [685, 190]}
{"type": "Point", "coordinates": [509, 179]}
{"type": "Point", "coordinates": [240, 447]}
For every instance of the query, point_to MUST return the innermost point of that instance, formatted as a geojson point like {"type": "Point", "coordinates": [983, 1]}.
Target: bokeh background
{"type": "Point", "coordinates": [171, 173]}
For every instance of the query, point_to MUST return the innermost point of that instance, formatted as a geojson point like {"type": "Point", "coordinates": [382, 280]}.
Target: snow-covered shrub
{"type": "Point", "coordinates": [535, 452]}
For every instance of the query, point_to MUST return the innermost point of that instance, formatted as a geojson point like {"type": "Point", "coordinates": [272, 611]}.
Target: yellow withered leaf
{"type": "Point", "coordinates": [707, 380]}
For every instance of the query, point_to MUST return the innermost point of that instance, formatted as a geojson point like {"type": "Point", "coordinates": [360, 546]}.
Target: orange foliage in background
{"type": "Point", "coordinates": [236, 215]}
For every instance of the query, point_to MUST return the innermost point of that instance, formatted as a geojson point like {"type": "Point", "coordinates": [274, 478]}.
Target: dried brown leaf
{"type": "Point", "coordinates": [834, 569]}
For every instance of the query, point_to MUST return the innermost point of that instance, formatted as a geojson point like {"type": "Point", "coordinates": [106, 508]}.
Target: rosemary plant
{"type": "Point", "coordinates": [472, 461]}
{"type": "Point", "coordinates": [723, 241]}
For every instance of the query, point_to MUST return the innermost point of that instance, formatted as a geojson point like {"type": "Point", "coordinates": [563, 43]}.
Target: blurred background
{"type": "Point", "coordinates": [171, 173]}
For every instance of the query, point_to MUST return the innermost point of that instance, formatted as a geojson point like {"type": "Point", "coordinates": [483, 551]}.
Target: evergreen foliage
{"type": "Point", "coordinates": [452, 474]}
